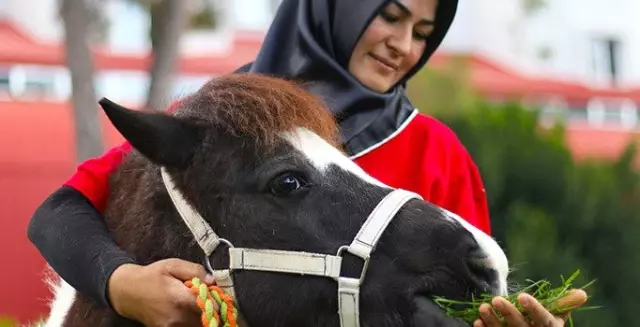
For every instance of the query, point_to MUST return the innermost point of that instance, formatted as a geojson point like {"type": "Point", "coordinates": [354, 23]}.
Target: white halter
{"type": "Point", "coordinates": [296, 262]}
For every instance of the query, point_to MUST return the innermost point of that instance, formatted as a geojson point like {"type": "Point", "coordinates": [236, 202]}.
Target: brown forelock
{"type": "Point", "coordinates": [261, 107]}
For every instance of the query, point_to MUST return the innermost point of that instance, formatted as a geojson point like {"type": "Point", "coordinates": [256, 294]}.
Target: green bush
{"type": "Point", "coordinates": [7, 322]}
{"type": "Point", "coordinates": [551, 214]}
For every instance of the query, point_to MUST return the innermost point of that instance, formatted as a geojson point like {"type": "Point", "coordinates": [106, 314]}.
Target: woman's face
{"type": "Point", "coordinates": [393, 43]}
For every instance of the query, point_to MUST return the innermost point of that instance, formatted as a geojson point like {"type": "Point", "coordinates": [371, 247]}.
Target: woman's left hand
{"type": "Point", "coordinates": [539, 316]}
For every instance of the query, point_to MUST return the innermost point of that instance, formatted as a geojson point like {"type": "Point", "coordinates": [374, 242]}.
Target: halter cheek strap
{"type": "Point", "coordinates": [363, 244]}
{"type": "Point", "coordinates": [297, 262]}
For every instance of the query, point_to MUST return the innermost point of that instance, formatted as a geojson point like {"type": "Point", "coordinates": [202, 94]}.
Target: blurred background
{"type": "Point", "coordinates": [545, 94]}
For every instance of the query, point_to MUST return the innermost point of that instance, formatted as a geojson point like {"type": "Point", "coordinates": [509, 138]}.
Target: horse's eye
{"type": "Point", "coordinates": [286, 183]}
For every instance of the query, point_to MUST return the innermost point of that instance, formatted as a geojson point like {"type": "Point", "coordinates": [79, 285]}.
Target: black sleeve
{"type": "Point", "coordinates": [71, 235]}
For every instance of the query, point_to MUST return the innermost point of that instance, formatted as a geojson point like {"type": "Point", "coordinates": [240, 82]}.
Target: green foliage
{"type": "Point", "coordinates": [543, 291]}
{"type": "Point", "coordinates": [7, 322]}
{"type": "Point", "coordinates": [205, 17]}
{"type": "Point", "coordinates": [444, 91]}
{"type": "Point", "coordinates": [551, 214]}
{"type": "Point", "coordinates": [201, 16]}
{"type": "Point", "coordinates": [531, 7]}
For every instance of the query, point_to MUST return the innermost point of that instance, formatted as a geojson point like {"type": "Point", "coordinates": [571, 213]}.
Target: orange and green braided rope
{"type": "Point", "coordinates": [206, 296]}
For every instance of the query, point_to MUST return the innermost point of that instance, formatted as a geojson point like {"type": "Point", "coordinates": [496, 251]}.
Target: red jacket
{"type": "Point", "coordinates": [424, 156]}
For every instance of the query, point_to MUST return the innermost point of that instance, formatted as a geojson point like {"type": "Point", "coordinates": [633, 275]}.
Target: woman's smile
{"type": "Point", "coordinates": [386, 64]}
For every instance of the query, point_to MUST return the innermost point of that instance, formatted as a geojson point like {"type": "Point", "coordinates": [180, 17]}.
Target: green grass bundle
{"type": "Point", "coordinates": [542, 291]}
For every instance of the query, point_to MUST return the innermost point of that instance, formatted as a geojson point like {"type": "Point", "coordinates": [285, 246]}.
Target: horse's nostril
{"type": "Point", "coordinates": [479, 268]}
{"type": "Point", "coordinates": [481, 273]}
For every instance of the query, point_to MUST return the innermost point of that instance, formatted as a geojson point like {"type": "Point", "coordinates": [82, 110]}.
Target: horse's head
{"type": "Point", "coordinates": [255, 157]}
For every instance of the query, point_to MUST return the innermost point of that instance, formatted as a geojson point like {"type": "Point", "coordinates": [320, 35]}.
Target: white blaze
{"type": "Point", "coordinates": [322, 155]}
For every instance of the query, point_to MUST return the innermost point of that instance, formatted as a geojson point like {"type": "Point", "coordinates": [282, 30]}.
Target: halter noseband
{"type": "Point", "coordinates": [296, 262]}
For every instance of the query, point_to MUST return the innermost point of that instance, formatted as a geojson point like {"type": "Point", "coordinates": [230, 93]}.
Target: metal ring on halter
{"type": "Point", "coordinates": [207, 260]}
{"type": "Point", "coordinates": [365, 265]}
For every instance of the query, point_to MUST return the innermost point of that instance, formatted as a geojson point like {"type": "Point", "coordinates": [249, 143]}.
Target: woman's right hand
{"type": "Point", "coordinates": [155, 295]}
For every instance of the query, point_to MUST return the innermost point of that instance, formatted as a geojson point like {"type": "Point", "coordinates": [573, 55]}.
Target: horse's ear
{"type": "Point", "coordinates": [163, 139]}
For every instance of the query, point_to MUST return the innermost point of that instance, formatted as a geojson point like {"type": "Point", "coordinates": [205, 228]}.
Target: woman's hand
{"type": "Point", "coordinates": [155, 295]}
{"type": "Point", "coordinates": [540, 317]}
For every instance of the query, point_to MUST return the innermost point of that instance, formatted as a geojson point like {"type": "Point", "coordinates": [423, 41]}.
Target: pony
{"type": "Point", "coordinates": [257, 160]}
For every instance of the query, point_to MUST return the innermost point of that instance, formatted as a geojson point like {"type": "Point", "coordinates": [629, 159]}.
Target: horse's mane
{"type": "Point", "coordinates": [260, 107]}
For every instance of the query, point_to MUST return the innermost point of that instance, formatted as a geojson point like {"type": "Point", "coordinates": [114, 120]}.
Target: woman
{"type": "Point", "coordinates": [357, 55]}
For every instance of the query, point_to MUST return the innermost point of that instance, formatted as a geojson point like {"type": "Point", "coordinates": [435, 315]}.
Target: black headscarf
{"type": "Point", "coordinates": [312, 41]}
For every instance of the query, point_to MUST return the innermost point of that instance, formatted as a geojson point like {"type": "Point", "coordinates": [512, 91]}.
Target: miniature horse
{"type": "Point", "coordinates": [257, 158]}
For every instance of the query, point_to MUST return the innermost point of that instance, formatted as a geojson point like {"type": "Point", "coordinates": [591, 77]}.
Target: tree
{"type": "Point", "coordinates": [531, 7]}
{"type": "Point", "coordinates": [168, 20]}
{"type": "Point", "coordinates": [76, 15]}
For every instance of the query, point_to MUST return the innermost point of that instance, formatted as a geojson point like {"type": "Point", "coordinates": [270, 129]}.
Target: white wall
{"type": "Point", "coordinates": [128, 27]}
{"type": "Point", "coordinates": [491, 28]}
{"type": "Point", "coordinates": [569, 26]}
{"type": "Point", "coordinates": [500, 30]}
{"type": "Point", "coordinates": [253, 14]}
{"type": "Point", "coordinates": [38, 17]}
{"type": "Point", "coordinates": [462, 32]}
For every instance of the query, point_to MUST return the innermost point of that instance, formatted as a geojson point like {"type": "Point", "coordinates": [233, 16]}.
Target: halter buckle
{"type": "Point", "coordinates": [207, 259]}
{"type": "Point", "coordinates": [365, 264]}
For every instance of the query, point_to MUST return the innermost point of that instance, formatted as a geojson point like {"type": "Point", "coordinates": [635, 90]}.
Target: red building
{"type": "Point", "coordinates": [38, 151]}
{"type": "Point", "coordinates": [37, 147]}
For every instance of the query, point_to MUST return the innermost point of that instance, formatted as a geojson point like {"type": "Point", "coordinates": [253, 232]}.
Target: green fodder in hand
{"type": "Point", "coordinates": [548, 296]}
